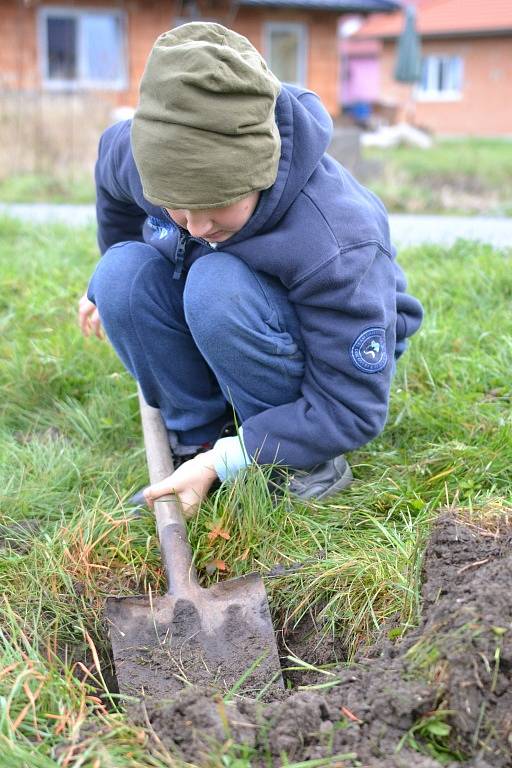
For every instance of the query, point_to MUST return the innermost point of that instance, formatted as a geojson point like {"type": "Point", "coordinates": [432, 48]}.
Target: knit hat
{"type": "Point", "coordinates": [204, 133]}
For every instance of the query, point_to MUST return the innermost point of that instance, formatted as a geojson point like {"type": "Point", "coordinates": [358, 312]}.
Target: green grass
{"type": "Point", "coordinates": [46, 188]}
{"type": "Point", "coordinates": [466, 176]}
{"type": "Point", "coordinates": [455, 176]}
{"type": "Point", "coordinates": [71, 452]}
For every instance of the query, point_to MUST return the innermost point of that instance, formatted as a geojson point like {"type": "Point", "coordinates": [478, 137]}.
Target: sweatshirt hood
{"type": "Point", "coordinates": [305, 128]}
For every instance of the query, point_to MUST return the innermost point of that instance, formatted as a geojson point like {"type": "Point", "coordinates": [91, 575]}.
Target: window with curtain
{"type": "Point", "coordinates": [82, 48]}
{"type": "Point", "coordinates": [285, 50]}
{"type": "Point", "coordinates": [441, 77]}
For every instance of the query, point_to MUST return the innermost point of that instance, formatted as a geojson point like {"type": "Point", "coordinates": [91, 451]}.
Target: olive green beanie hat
{"type": "Point", "coordinates": [204, 133]}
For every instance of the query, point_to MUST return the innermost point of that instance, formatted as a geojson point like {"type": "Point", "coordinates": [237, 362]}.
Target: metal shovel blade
{"type": "Point", "coordinates": [221, 636]}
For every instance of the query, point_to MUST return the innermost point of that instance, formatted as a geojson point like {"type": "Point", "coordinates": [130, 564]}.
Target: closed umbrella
{"type": "Point", "coordinates": [408, 60]}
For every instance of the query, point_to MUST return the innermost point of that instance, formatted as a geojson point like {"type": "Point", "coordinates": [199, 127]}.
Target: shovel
{"type": "Point", "coordinates": [221, 636]}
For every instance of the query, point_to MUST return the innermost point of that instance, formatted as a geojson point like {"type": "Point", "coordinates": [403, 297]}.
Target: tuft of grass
{"type": "Point", "coordinates": [457, 176]}
{"type": "Point", "coordinates": [71, 454]}
{"type": "Point", "coordinates": [430, 735]}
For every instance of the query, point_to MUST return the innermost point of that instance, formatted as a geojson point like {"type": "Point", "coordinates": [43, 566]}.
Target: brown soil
{"type": "Point", "coordinates": [455, 669]}
{"type": "Point", "coordinates": [310, 642]}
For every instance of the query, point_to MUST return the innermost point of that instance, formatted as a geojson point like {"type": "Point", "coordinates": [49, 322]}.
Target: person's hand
{"type": "Point", "coordinates": [190, 483]}
{"type": "Point", "coordinates": [88, 318]}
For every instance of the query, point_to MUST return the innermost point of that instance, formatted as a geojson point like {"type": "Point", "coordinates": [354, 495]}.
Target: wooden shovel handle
{"type": "Point", "coordinates": [172, 532]}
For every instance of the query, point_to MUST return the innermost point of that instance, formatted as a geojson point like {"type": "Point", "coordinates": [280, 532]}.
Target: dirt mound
{"type": "Point", "coordinates": [442, 695]}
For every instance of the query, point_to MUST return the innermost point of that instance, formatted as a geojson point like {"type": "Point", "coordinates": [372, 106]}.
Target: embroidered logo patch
{"type": "Point", "coordinates": [368, 352]}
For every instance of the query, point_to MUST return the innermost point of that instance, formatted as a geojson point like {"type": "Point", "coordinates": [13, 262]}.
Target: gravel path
{"type": "Point", "coordinates": [40, 213]}
{"type": "Point", "coordinates": [409, 229]}
{"type": "Point", "coordinates": [406, 229]}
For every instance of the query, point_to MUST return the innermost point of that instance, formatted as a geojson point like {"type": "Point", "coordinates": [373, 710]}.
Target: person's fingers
{"type": "Point", "coordinates": [88, 318]}
{"type": "Point", "coordinates": [189, 499]}
{"type": "Point", "coordinates": [189, 484]}
{"type": "Point", "coordinates": [83, 320]}
{"type": "Point", "coordinates": [190, 502]}
{"type": "Point", "coordinates": [155, 491]}
{"type": "Point", "coordinates": [95, 322]}
{"type": "Point", "coordinates": [85, 310]}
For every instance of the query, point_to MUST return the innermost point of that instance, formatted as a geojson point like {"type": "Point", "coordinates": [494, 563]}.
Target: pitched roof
{"type": "Point", "coordinates": [446, 18]}
{"type": "Point", "coordinates": [343, 6]}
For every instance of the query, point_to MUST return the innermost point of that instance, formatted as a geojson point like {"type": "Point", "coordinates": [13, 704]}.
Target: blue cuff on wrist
{"type": "Point", "coordinates": [230, 456]}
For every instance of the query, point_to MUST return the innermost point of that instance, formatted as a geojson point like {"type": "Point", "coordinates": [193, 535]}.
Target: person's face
{"type": "Point", "coordinates": [216, 224]}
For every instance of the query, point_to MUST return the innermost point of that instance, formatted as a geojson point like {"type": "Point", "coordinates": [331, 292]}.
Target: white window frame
{"type": "Point", "coordinates": [81, 83]}
{"type": "Point", "coordinates": [434, 94]}
{"type": "Point", "coordinates": [301, 30]}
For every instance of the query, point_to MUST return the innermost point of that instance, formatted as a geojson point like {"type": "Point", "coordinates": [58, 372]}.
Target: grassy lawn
{"type": "Point", "coordinates": [71, 453]}
{"type": "Point", "coordinates": [459, 176]}
{"type": "Point", "coordinates": [466, 176]}
{"type": "Point", "coordinates": [44, 188]}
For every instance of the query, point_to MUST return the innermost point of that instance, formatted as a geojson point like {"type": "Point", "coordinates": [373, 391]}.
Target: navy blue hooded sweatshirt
{"type": "Point", "coordinates": [326, 238]}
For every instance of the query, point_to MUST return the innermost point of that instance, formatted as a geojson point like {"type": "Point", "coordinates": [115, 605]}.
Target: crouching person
{"type": "Point", "coordinates": [243, 268]}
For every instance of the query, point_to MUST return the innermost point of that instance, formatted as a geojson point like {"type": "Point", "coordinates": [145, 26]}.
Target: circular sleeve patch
{"type": "Point", "coordinates": [368, 352]}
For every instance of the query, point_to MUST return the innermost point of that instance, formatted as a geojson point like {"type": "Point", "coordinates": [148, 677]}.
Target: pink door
{"type": "Point", "coordinates": [360, 81]}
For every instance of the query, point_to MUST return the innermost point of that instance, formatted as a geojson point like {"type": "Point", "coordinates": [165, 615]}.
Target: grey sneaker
{"type": "Point", "coordinates": [321, 481]}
